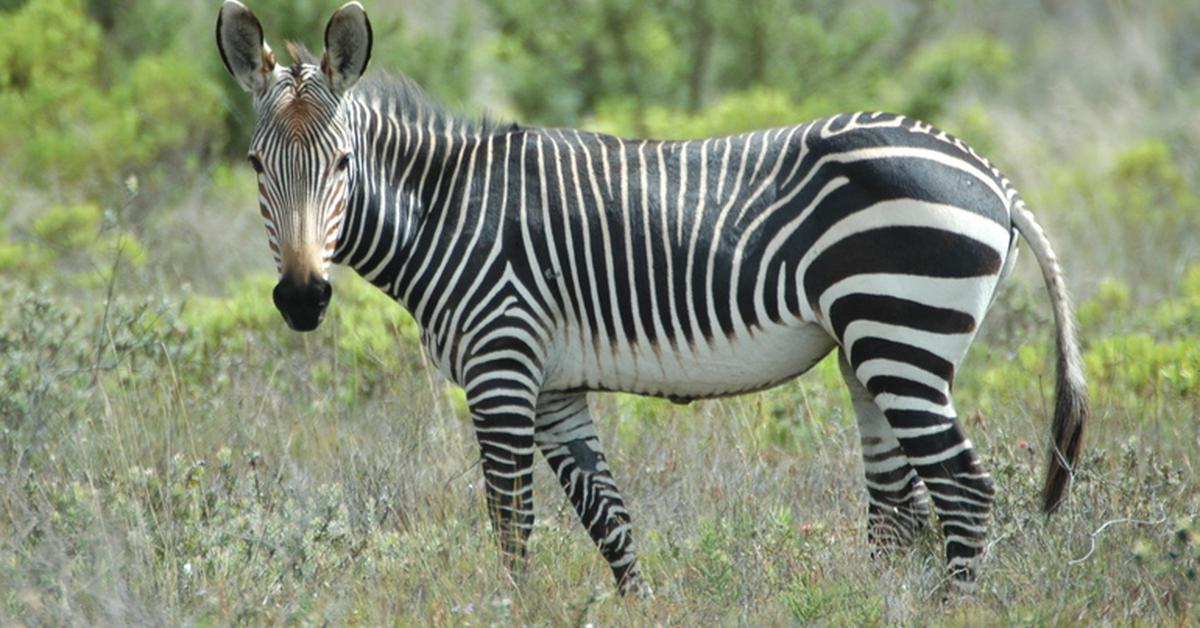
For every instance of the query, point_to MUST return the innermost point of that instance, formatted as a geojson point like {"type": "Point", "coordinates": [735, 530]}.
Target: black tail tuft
{"type": "Point", "coordinates": [1070, 416]}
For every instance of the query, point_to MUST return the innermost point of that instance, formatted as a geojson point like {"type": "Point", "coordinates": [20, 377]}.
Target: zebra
{"type": "Point", "coordinates": [545, 264]}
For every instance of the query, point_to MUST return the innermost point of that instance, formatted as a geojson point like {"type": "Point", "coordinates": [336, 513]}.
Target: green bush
{"type": "Point", "coordinates": [70, 246]}
{"type": "Point", "coordinates": [709, 68]}
{"type": "Point", "coordinates": [377, 340]}
{"type": "Point", "coordinates": [229, 323]}
{"type": "Point", "coordinates": [61, 120]}
{"type": "Point", "coordinates": [373, 339]}
{"type": "Point", "coordinates": [83, 238]}
{"type": "Point", "coordinates": [1139, 214]}
{"type": "Point", "coordinates": [939, 71]}
{"type": "Point", "coordinates": [1108, 308]}
{"type": "Point", "coordinates": [1181, 317]}
{"type": "Point", "coordinates": [1135, 356]}
{"type": "Point", "coordinates": [756, 108]}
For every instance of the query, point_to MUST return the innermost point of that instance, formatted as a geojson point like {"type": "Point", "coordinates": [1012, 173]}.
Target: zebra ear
{"type": "Point", "coordinates": [240, 41]}
{"type": "Point", "coordinates": [348, 40]}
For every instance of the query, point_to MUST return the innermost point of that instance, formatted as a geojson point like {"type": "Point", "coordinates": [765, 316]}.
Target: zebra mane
{"type": "Point", "coordinates": [410, 102]}
{"type": "Point", "coordinates": [300, 56]}
{"type": "Point", "coordinates": [402, 95]}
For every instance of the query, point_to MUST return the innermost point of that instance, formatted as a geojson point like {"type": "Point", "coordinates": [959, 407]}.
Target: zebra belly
{"type": "Point", "coordinates": [718, 368]}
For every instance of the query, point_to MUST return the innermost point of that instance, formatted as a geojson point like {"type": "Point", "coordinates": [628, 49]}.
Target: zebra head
{"type": "Point", "coordinates": [301, 148]}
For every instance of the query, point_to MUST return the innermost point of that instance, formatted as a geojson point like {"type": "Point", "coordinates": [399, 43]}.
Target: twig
{"type": "Point", "coordinates": [458, 475]}
{"type": "Point", "coordinates": [119, 250]}
{"type": "Point", "coordinates": [102, 329]}
{"type": "Point", "coordinates": [1103, 527]}
{"type": "Point", "coordinates": [987, 550]}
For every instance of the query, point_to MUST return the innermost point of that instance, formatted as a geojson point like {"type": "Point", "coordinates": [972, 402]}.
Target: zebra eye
{"type": "Point", "coordinates": [343, 162]}
{"type": "Point", "coordinates": [255, 163]}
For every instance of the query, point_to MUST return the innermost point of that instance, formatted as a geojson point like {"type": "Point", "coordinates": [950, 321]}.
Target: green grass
{"type": "Point", "coordinates": [162, 469]}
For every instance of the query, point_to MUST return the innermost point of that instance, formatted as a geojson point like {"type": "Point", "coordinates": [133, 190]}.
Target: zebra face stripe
{"type": "Point", "coordinates": [302, 154]}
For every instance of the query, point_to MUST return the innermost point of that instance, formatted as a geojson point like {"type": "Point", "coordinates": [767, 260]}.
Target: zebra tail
{"type": "Point", "coordinates": [1071, 403]}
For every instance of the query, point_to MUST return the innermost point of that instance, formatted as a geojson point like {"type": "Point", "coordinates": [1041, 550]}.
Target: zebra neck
{"type": "Point", "coordinates": [406, 172]}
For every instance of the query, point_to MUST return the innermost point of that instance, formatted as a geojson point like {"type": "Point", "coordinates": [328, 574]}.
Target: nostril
{"type": "Point", "coordinates": [322, 290]}
{"type": "Point", "coordinates": [281, 295]}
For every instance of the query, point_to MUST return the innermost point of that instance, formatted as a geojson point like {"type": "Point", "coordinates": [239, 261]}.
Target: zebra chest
{"type": "Point", "coordinates": [437, 355]}
{"type": "Point", "coordinates": [478, 329]}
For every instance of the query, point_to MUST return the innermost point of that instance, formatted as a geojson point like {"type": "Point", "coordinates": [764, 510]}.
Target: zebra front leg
{"type": "Point", "coordinates": [567, 437]}
{"type": "Point", "coordinates": [503, 421]}
{"type": "Point", "coordinates": [897, 505]}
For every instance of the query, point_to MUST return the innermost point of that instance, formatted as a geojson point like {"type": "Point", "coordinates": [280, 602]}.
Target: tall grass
{"type": "Point", "coordinates": [157, 477]}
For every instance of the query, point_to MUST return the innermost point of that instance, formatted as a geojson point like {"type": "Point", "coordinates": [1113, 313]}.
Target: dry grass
{"type": "Point", "coordinates": [244, 491]}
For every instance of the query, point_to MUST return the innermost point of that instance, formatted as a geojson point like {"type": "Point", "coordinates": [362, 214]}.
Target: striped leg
{"type": "Point", "coordinates": [919, 410]}
{"type": "Point", "coordinates": [567, 438]}
{"type": "Point", "coordinates": [898, 508]}
{"type": "Point", "coordinates": [962, 491]}
{"type": "Point", "coordinates": [904, 353]}
{"type": "Point", "coordinates": [503, 416]}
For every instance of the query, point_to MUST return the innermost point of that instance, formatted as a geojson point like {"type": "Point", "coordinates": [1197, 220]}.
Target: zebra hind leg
{"type": "Point", "coordinates": [962, 491]}
{"type": "Point", "coordinates": [923, 421]}
{"type": "Point", "coordinates": [905, 353]}
{"type": "Point", "coordinates": [897, 503]}
{"type": "Point", "coordinates": [567, 438]}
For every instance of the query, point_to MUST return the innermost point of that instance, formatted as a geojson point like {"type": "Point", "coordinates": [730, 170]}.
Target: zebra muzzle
{"type": "Point", "coordinates": [303, 304]}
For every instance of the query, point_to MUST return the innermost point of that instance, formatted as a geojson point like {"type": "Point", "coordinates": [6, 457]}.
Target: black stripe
{"type": "Point", "coordinates": [897, 311]}
{"type": "Point", "coordinates": [682, 307]}
{"type": "Point", "coordinates": [869, 348]}
{"type": "Point", "coordinates": [703, 211]}
{"type": "Point", "coordinates": [642, 238]}
{"type": "Point", "coordinates": [560, 199]}
{"type": "Point", "coordinates": [927, 444]}
{"type": "Point", "coordinates": [911, 419]}
{"type": "Point", "coordinates": [659, 197]}
{"type": "Point", "coordinates": [924, 180]}
{"type": "Point", "coordinates": [921, 251]}
{"type": "Point", "coordinates": [903, 387]}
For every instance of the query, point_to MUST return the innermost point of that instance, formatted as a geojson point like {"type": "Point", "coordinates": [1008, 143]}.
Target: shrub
{"type": "Point", "coordinates": [62, 119]}
{"type": "Point", "coordinates": [1133, 214]}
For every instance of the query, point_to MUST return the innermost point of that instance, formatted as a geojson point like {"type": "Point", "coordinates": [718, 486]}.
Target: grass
{"type": "Point", "coordinates": [155, 475]}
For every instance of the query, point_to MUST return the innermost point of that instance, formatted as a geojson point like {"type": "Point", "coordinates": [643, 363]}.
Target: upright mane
{"type": "Point", "coordinates": [404, 97]}
{"type": "Point", "coordinates": [300, 56]}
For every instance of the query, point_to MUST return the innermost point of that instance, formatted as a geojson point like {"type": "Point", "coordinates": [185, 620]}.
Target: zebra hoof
{"type": "Point", "coordinates": [961, 581]}
{"type": "Point", "coordinates": [637, 588]}
{"type": "Point", "coordinates": [956, 591]}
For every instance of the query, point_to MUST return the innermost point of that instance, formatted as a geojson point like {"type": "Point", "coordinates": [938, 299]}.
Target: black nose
{"type": "Point", "coordinates": [303, 305]}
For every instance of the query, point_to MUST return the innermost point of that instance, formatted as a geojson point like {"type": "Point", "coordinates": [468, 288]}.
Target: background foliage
{"type": "Point", "coordinates": [169, 453]}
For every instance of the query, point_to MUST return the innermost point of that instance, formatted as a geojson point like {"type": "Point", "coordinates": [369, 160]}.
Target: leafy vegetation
{"type": "Point", "coordinates": [170, 453]}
